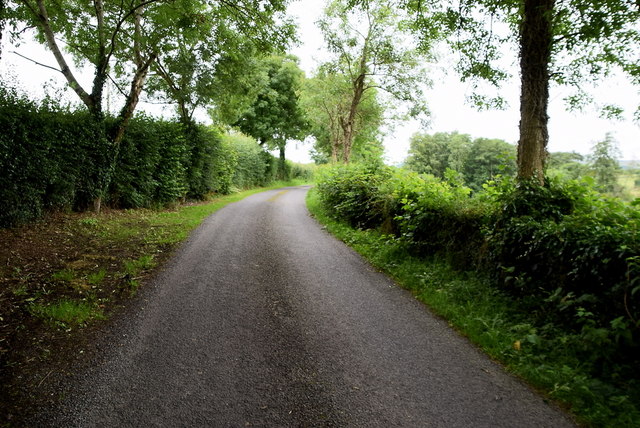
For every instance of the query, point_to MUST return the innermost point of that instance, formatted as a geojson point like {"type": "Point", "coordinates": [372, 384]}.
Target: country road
{"type": "Point", "coordinates": [264, 319]}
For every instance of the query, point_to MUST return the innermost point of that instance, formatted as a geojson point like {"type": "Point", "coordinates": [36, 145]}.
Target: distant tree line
{"type": "Point", "coordinates": [474, 162]}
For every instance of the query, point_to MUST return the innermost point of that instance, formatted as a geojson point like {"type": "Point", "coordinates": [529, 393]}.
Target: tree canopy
{"type": "Point", "coordinates": [276, 115]}
{"type": "Point", "coordinates": [476, 161]}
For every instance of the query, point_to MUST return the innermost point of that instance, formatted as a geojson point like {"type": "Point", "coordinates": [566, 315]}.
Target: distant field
{"type": "Point", "coordinates": [630, 182]}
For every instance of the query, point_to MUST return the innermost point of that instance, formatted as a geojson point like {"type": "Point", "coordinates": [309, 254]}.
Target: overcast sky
{"type": "Point", "coordinates": [568, 131]}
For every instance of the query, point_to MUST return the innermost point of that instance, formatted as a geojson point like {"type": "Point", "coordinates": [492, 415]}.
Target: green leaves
{"type": "Point", "coordinates": [276, 115]}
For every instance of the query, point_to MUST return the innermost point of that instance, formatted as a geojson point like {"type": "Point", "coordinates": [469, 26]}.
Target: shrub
{"type": "Point", "coordinates": [252, 165]}
{"type": "Point", "coordinates": [568, 254]}
{"type": "Point", "coordinates": [352, 192]}
{"type": "Point", "coordinates": [50, 158]}
{"type": "Point", "coordinates": [436, 217]}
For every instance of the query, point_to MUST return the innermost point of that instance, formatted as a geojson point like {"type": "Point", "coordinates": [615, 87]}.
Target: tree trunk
{"type": "Point", "coordinates": [348, 125]}
{"type": "Point", "coordinates": [43, 17]}
{"type": "Point", "coordinates": [2, 9]}
{"type": "Point", "coordinates": [535, 54]}
{"type": "Point", "coordinates": [282, 163]}
{"type": "Point", "coordinates": [334, 151]}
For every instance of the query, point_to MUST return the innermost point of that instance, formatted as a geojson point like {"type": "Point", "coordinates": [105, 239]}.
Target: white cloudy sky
{"type": "Point", "coordinates": [568, 131]}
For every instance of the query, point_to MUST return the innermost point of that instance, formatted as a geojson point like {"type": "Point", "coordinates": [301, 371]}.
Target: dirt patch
{"type": "Point", "coordinates": [86, 259]}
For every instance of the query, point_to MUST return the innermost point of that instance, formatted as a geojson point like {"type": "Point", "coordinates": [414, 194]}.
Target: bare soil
{"type": "Point", "coordinates": [42, 263]}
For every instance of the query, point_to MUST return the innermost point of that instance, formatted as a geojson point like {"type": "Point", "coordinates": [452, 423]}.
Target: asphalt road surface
{"type": "Point", "coordinates": [264, 319]}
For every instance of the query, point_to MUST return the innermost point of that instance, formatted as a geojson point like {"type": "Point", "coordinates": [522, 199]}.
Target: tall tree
{"type": "Point", "coordinates": [477, 161]}
{"type": "Point", "coordinates": [603, 163]}
{"type": "Point", "coordinates": [3, 7]}
{"type": "Point", "coordinates": [212, 62]}
{"type": "Point", "coordinates": [327, 100]}
{"type": "Point", "coordinates": [102, 33]}
{"type": "Point", "coordinates": [121, 40]}
{"type": "Point", "coordinates": [371, 50]}
{"type": "Point", "coordinates": [486, 158]}
{"type": "Point", "coordinates": [566, 42]}
{"type": "Point", "coordinates": [434, 154]}
{"type": "Point", "coordinates": [276, 116]}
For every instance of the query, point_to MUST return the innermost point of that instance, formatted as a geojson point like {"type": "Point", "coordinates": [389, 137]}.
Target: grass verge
{"type": "Point", "coordinates": [549, 359]}
{"type": "Point", "coordinates": [62, 275]}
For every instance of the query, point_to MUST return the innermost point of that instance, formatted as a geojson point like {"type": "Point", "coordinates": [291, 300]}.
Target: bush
{"type": "Point", "coordinates": [253, 163]}
{"type": "Point", "coordinates": [436, 217]}
{"type": "Point", "coordinates": [352, 193]}
{"type": "Point", "coordinates": [567, 254]}
{"type": "Point", "coordinates": [55, 159]}
{"type": "Point", "coordinates": [571, 251]}
{"type": "Point", "coordinates": [50, 158]}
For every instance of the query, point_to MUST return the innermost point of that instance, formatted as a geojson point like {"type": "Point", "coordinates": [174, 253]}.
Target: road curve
{"type": "Point", "coordinates": [263, 319]}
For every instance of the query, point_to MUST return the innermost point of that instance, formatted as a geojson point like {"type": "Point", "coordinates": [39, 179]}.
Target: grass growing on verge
{"type": "Point", "coordinates": [546, 357]}
{"type": "Point", "coordinates": [66, 313]}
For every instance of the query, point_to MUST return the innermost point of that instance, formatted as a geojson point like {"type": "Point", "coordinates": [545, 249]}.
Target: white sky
{"type": "Point", "coordinates": [568, 131]}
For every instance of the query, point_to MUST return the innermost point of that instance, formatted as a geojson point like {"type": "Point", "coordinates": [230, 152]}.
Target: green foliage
{"type": "Point", "coordinates": [276, 115]}
{"type": "Point", "coordinates": [434, 154]}
{"type": "Point", "coordinates": [567, 253]}
{"type": "Point", "coordinates": [373, 65]}
{"type": "Point", "coordinates": [49, 158]}
{"type": "Point", "coordinates": [212, 60]}
{"type": "Point", "coordinates": [53, 159]}
{"type": "Point", "coordinates": [603, 163]}
{"type": "Point", "coordinates": [435, 217]}
{"type": "Point", "coordinates": [477, 161]}
{"type": "Point", "coordinates": [566, 164]}
{"type": "Point", "coordinates": [326, 99]}
{"type": "Point", "coordinates": [351, 192]}
{"type": "Point", "coordinates": [255, 167]}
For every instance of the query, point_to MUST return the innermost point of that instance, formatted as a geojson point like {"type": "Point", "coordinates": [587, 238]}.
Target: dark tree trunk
{"type": "Point", "coordinates": [535, 54]}
{"type": "Point", "coordinates": [282, 163]}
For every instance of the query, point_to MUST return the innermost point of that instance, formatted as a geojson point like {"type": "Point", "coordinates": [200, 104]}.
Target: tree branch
{"type": "Point", "coordinates": [43, 17]}
{"type": "Point", "coordinates": [36, 62]}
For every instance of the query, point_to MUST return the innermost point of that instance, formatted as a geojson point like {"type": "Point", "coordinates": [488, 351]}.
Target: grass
{"type": "Point", "coordinates": [67, 313]}
{"type": "Point", "coordinates": [630, 182]}
{"type": "Point", "coordinates": [546, 357]}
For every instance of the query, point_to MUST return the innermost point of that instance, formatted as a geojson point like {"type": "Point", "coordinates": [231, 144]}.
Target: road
{"type": "Point", "coordinates": [264, 319]}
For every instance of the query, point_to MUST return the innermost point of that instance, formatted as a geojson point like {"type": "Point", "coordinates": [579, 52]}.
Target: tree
{"type": "Point", "coordinates": [434, 154]}
{"type": "Point", "coordinates": [477, 161]}
{"type": "Point", "coordinates": [568, 164]}
{"type": "Point", "coordinates": [100, 33]}
{"type": "Point", "coordinates": [276, 116]}
{"type": "Point", "coordinates": [371, 52]}
{"type": "Point", "coordinates": [213, 63]}
{"type": "Point", "coordinates": [486, 158]}
{"type": "Point", "coordinates": [327, 99]}
{"type": "Point", "coordinates": [121, 40]}
{"type": "Point", "coordinates": [603, 163]}
{"type": "Point", "coordinates": [566, 42]}
{"type": "Point", "coordinates": [3, 7]}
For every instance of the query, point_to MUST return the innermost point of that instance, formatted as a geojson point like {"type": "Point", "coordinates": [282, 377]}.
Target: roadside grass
{"type": "Point", "coordinates": [66, 273]}
{"type": "Point", "coordinates": [67, 313]}
{"type": "Point", "coordinates": [548, 358]}
{"type": "Point", "coordinates": [630, 182]}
